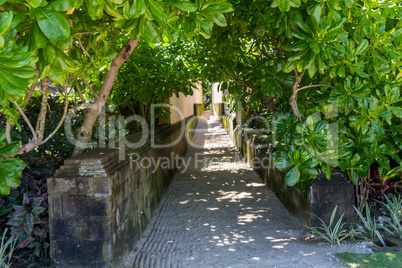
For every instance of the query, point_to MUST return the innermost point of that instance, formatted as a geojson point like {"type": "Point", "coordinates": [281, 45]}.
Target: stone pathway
{"type": "Point", "coordinates": [217, 213]}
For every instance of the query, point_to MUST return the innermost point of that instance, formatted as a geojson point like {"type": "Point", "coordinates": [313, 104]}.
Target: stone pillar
{"type": "Point", "coordinates": [80, 207]}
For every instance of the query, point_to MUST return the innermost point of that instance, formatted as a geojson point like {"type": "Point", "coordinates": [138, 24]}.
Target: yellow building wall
{"type": "Point", "coordinates": [183, 106]}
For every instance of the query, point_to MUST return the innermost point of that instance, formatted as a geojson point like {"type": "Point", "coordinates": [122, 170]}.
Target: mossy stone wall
{"type": "Point", "coordinates": [322, 195]}
{"type": "Point", "coordinates": [99, 205]}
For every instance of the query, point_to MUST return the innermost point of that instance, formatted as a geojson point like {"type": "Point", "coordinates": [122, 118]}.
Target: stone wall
{"type": "Point", "coordinates": [101, 201]}
{"type": "Point", "coordinates": [198, 109]}
{"type": "Point", "coordinates": [218, 108]}
{"type": "Point", "coordinates": [322, 195]}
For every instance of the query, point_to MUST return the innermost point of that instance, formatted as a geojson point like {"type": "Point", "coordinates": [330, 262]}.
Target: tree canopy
{"type": "Point", "coordinates": [66, 42]}
{"type": "Point", "coordinates": [329, 74]}
{"type": "Point", "coordinates": [326, 73]}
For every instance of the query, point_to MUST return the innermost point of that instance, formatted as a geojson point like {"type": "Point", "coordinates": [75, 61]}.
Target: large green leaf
{"type": "Point", "coordinates": [95, 9]}
{"type": "Point", "coordinates": [54, 25]}
{"type": "Point", "coordinates": [10, 148]}
{"type": "Point", "coordinates": [184, 5]}
{"type": "Point", "coordinates": [138, 8]}
{"type": "Point", "coordinates": [293, 176]}
{"type": "Point", "coordinates": [65, 5]}
{"type": "Point", "coordinates": [158, 10]}
{"type": "Point", "coordinates": [284, 5]}
{"type": "Point", "coordinates": [12, 84]}
{"type": "Point", "coordinates": [36, 39]}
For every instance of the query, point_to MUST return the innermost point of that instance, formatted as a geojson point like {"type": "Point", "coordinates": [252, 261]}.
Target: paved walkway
{"type": "Point", "coordinates": [217, 213]}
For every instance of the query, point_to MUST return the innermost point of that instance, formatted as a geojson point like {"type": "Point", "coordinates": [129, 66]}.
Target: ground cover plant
{"type": "Point", "coordinates": [388, 259]}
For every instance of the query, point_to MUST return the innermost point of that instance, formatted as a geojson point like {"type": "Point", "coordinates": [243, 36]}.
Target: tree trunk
{"type": "Point", "coordinates": [269, 104]}
{"type": "Point", "coordinates": [293, 98]}
{"type": "Point", "coordinates": [93, 110]}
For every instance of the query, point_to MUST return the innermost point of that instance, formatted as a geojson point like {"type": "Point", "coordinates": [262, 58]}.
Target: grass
{"type": "Point", "coordinates": [372, 260]}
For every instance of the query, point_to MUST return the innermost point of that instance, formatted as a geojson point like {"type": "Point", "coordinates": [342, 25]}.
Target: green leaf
{"type": "Point", "coordinates": [13, 181]}
{"type": "Point", "coordinates": [35, 3]}
{"type": "Point", "coordinates": [327, 170]}
{"type": "Point", "coordinates": [10, 148]}
{"type": "Point", "coordinates": [299, 22]}
{"type": "Point", "coordinates": [54, 25]}
{"type": "Point", "coordinates": [292, 176]}
{"type": "Point", "coordinates": [362, 47]}
{"type": "Point", "coordinates": [65, 5]}
{"type": "Point", "coordinates": [284, 5]}
{"type": "Point", "coordinates": [295, 3]}
{"type": "Point", "coordinates": [12, 84]}
{"type": "Point", "coordinates": [158, 10]}
{"type": "Point", "coordinates": [317, 14]}
{"type": "Point", "coordinates": [19, 60]}
{"type": "Point", "coordinates": [184, 5]}
{"type": "Point", "coordinates": [19, 165]}
{"type": "Point", "coordinates": [289, 66]}
{"type": "Point", "coordinates": [397, 111]}
{"type": "Point", "coordinates": [4, 188]}
{"type": "Point", "coordinates": [95, 9]}
{"type": "Point", "coordinates": [36, 39]}
{"type": "Point", "coordinates": [309, 59]}
{"type": "Point", "coordinates": [5, 22]}
{"type": "Point", "coordinates": [219, 8]}
{"type": "Point", "coordinates": [220, 20]}
{"type": "Point", "coordinates": [138, 8]}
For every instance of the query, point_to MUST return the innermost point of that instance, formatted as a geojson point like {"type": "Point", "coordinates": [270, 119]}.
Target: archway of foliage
{"type": "Point", "coordinates": [74, 42]}
{"type": "Point", "coordinates": [153, 75]}
{"type": "Point", "coordinates": [328, 74]}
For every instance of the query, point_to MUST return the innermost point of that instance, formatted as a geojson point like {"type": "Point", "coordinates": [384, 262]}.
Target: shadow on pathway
{"type": "Point", "coordinates": [218, 213]}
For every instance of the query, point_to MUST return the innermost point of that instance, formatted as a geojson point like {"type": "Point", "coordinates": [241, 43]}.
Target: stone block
{"type": "Point", "coordinates": [85, 206]}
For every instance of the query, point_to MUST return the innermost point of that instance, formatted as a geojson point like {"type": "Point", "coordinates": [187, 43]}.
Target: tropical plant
{"type": "Point", "coordinates": [393, 222]}
{"type": "Point", "coordinates": [332, 234]}
{"type": "Point", "coordinates": [7, 247]}
{"type": "Point", "coordinates": [370, 225]}
{"type": "Point", "coordinates": [340, 60]}
{"type": "Point", "coordinates": [74, 44]}
{"type": "Point", "coordinates": [25, 210]}
{"type": "Point", "coordinates": [11, 168]}
{"type": "Point", "coordinates": [152, 75]}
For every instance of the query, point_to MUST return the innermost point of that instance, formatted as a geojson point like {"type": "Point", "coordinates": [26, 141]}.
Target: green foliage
{"type": "Point", "coordinates": [152, 75]}
{"type": "Point", "coordinates": [26, 211]}
{"type": "Point", "coordinates": [341, 60]}
{"type": "Point", "coordinates": [370, 225]}
{"type": "Point", "coordinates": [393, 222]}
{"type": "Point", "coordinates": [7, 247]}
{"type": "Point", "coordinates": [332, 234]}
{"type": "Point", "coordinates": [72, 41]}
{"type": "Point", "coordinates": [10, 168]}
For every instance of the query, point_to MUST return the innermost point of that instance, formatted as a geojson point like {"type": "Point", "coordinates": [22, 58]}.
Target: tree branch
{"type": "Point", "coordinates": [79, 92]}
{"type": "Point", "coordinates": [85, 131]}
{"type": "Point", "coordinates": [8, 130]}
{"type": "Point", "coordinates": [91, 32]}
{"type": "Point", "coordinates": [30, 92]}
{"type": "Point", "coordinates": [84, 50]}
{"type": "Point", "coordinates": [26, 121]}
{"type": "Point", "coordinates": [42, 117]}
{"type": "Point", "coordinates": [114, 36]}
{"type": "Point", "coordinates": [88, 85]}
{"type": "Point", "coordinates": [293, 98]}
{"type": "Point", "coordinates": [125, 100]}
{"type": "Point", "coordinates": [63, 117]}
{"type": "Point", "coordinates": [318, 85]}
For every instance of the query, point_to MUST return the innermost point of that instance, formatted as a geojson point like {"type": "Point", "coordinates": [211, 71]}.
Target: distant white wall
{"type": "Point", "coordinates": [216, 94]}
{"type": "Point", "coordinates": [184, 104]}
